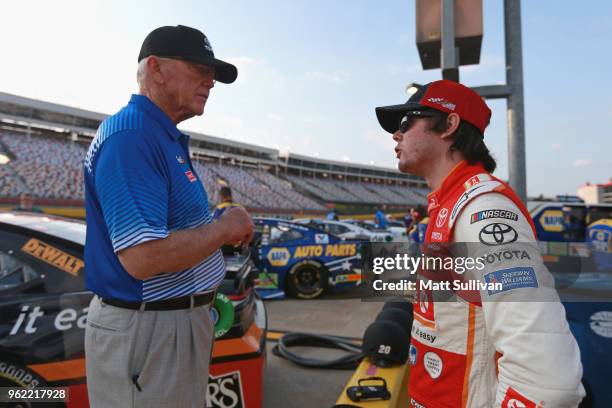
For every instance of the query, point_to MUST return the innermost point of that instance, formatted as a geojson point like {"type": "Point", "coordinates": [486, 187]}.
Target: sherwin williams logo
{"type": "Point", "coordinates": [513, 278]}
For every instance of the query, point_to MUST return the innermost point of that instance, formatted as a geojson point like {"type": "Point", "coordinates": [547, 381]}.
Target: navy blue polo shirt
{"type": "Point", "coordinates": [140, 186]}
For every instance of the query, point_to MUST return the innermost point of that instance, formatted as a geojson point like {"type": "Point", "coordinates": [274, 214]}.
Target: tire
{"type": "Point", "coordinates": [307, 280]}
{"type": "Point", "coordinates": [14, 375]}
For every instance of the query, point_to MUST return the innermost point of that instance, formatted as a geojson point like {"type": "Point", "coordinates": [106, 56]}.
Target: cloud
{"type": "Point", "coordinates": [336, 76]}
{"type": "Point", "coordinates": [583, 162]}
{"type": "Point", "coordinates": [346, 158]}
{"type": "Point", "coordinates": [557, 146]}
{"type": "Point", "coordinates": [275, 116]}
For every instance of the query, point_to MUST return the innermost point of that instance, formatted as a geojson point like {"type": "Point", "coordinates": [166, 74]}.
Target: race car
{"type": "Point", "coordinates": [43, 312]}
{"type": "Point", "coordinates": [302, 261]}
{"type": "Point", "coordinates": [347, 230]}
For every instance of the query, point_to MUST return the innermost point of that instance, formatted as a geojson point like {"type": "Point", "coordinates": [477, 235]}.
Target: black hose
{"type": "Point", "coordinates": [350, 360]}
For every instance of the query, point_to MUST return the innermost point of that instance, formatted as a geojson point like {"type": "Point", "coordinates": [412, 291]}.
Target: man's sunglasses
{"type": "Point", "coordinates": [408, 120]}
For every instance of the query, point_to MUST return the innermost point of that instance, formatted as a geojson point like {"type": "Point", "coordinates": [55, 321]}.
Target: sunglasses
{"type": "Point", "coordinates": [407, 121]}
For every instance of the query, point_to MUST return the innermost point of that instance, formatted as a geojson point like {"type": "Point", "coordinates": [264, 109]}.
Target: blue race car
{"type": "Point", "coordinates": [302, 261]}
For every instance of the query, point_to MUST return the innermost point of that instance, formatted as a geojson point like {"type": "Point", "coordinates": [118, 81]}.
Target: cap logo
{"type": "Point", "coordinates": [442, 102]}
{"type": "Point", "coordinates": [207, 44]}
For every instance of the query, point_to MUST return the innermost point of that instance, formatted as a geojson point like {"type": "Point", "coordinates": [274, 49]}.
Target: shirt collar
{"type": "Point", "coordinates": [458, 174]}
{"type": "Point", "coordinates": [146, 104]}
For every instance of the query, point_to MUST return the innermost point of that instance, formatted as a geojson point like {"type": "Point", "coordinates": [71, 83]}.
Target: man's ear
{"type": "Point", "coordinates": [452, 123]}
{"type": "Point", "coordinates": [155, 68]}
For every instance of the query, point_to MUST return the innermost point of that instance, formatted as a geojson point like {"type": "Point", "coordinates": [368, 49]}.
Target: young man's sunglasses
{"type": "Point", "coordinates": [410, 118]}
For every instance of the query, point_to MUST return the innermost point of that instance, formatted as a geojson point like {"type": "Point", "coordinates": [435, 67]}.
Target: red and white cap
{"type": "Point", "coordinates": [444, 96]}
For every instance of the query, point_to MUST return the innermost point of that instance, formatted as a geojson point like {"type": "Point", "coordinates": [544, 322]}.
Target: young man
{"type": "Point", "coordinates": [152, 251]}
{"type": "Point", "coordinates": [509, 346]}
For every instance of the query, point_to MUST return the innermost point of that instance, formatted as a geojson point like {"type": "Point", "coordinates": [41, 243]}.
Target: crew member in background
{"type": "Point", "coordinates": [226, 202]}
{"type": "Point", "coordinates": [380, 219]}
{"type": "Point", "coordinates": [507, 347]}
{"type": "Point", "coordinates": [332, 215]}
{"type": "Point", "coordinates": [26, 203]}
{"type": "Point", "coordinates": [152, 253]}
{"type": "Point", "coordinates": [407, 219]}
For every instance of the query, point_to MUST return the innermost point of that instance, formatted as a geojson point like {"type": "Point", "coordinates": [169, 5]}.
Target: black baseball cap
{"type": "Point", "coordinates": [438, 96]}
{"type": "Point", "coordinates": [188, 44]}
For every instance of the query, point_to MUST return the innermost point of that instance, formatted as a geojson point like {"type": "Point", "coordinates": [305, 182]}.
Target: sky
{"type": "Point", "coordinates": [311, 73]}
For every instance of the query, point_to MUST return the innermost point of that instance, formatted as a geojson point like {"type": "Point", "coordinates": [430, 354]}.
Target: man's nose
{"type": "Point", "coordinates": [397, 136]}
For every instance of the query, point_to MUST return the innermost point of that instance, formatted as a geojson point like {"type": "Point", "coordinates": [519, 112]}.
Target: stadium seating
{"type": "Point", "coordinates": [50, 167]}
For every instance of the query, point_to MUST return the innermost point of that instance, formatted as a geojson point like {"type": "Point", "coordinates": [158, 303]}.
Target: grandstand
{"type": "Point", "coordinates": [42, 147]}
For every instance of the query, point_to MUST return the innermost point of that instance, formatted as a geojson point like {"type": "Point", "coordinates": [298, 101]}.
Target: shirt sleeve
{"type": "Point", "coordinates": [132, 190]}
{"type": "Point", "coordinates": [539, 359]}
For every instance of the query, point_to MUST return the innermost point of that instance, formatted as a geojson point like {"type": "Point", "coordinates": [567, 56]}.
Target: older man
{"type": "Point", "coordinates": [152, 254]}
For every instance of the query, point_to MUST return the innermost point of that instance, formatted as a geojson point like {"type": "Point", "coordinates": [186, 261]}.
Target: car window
{"type": "Point", "coordinates": [336, 229]}
{"type": "Point", "coordinates": [13, 272]}
{"type": "Point", "coordinates": [281, 233]}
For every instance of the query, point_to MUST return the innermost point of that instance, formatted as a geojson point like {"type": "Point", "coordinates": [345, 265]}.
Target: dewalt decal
{"type": "Point", "coordinates": [53, 256]}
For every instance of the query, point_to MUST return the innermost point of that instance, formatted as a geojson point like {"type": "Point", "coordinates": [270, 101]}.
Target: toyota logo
{"type": "Point", "coordinates": [497, 234]}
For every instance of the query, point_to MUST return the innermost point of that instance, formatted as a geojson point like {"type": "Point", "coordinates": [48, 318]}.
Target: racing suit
{"type": "Point", "coordinates": [508, 346]}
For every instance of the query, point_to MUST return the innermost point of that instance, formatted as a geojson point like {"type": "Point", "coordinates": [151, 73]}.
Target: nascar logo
{"type": "Point", "coordinates": [486, 214]}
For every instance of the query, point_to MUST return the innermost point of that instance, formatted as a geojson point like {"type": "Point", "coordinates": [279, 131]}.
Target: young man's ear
{"type": "Point", "coordinates": [452, 123]}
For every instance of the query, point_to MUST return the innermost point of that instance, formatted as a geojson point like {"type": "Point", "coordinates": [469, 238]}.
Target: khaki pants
{"type": "Point", "coordinates": [147, 359]}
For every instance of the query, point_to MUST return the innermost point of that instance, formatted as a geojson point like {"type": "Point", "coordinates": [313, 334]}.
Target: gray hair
{"type": "Point", "coordinates": [141, 73]}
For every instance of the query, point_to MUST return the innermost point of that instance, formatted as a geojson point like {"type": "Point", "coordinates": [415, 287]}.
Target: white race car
{"type": "Point", "coordinates": [346, 230]}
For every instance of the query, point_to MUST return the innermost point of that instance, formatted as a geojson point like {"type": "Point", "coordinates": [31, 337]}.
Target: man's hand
{"type": "Point", "coordinates": [237, 226]}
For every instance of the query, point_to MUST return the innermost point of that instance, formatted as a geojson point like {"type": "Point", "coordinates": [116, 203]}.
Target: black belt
{"type": "Point", "coordinates": [184, 302]}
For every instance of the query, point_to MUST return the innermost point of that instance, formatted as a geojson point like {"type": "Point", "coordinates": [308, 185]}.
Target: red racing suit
{"type": "Point", "coordinates": [508, 347]}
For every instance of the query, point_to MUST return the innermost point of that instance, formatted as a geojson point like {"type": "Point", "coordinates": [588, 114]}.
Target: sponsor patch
{"type": "Point", "coordinates": [412, 355]}
{"type": "Point", "coordinates": [433, 364]}
{"type": "Point", "coordinates": [53, 256]}
{"type": "Point", "coordinates": [423, 335]}
{"type": "Point", "coordinates": [321, 239]}
{"type": "Point", "coordinates": [497, 233]}
{"type": "Point", "coordinates": [436, 235]}
{"type": "Point", "coordinates": [513, 278]}
{"type": "Point", "coordinates": [475, 190]}
{"type": "Point", "coordinates": [225, 391]}
{"type": "Point", "coordinates": [190, 176]}
{"type": "Point", "coordinates": [509, 255]}
{"type": "Point", "coordinates": [513, 399]}
{"type": "Point", "coordinates": [486, 214]}
{"type": "Point", "coordinates": [441, 217]}
{"type": "Point", "coordinates": [279, 256]}
{"type": "Point", "coordinates": [601, 323]}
